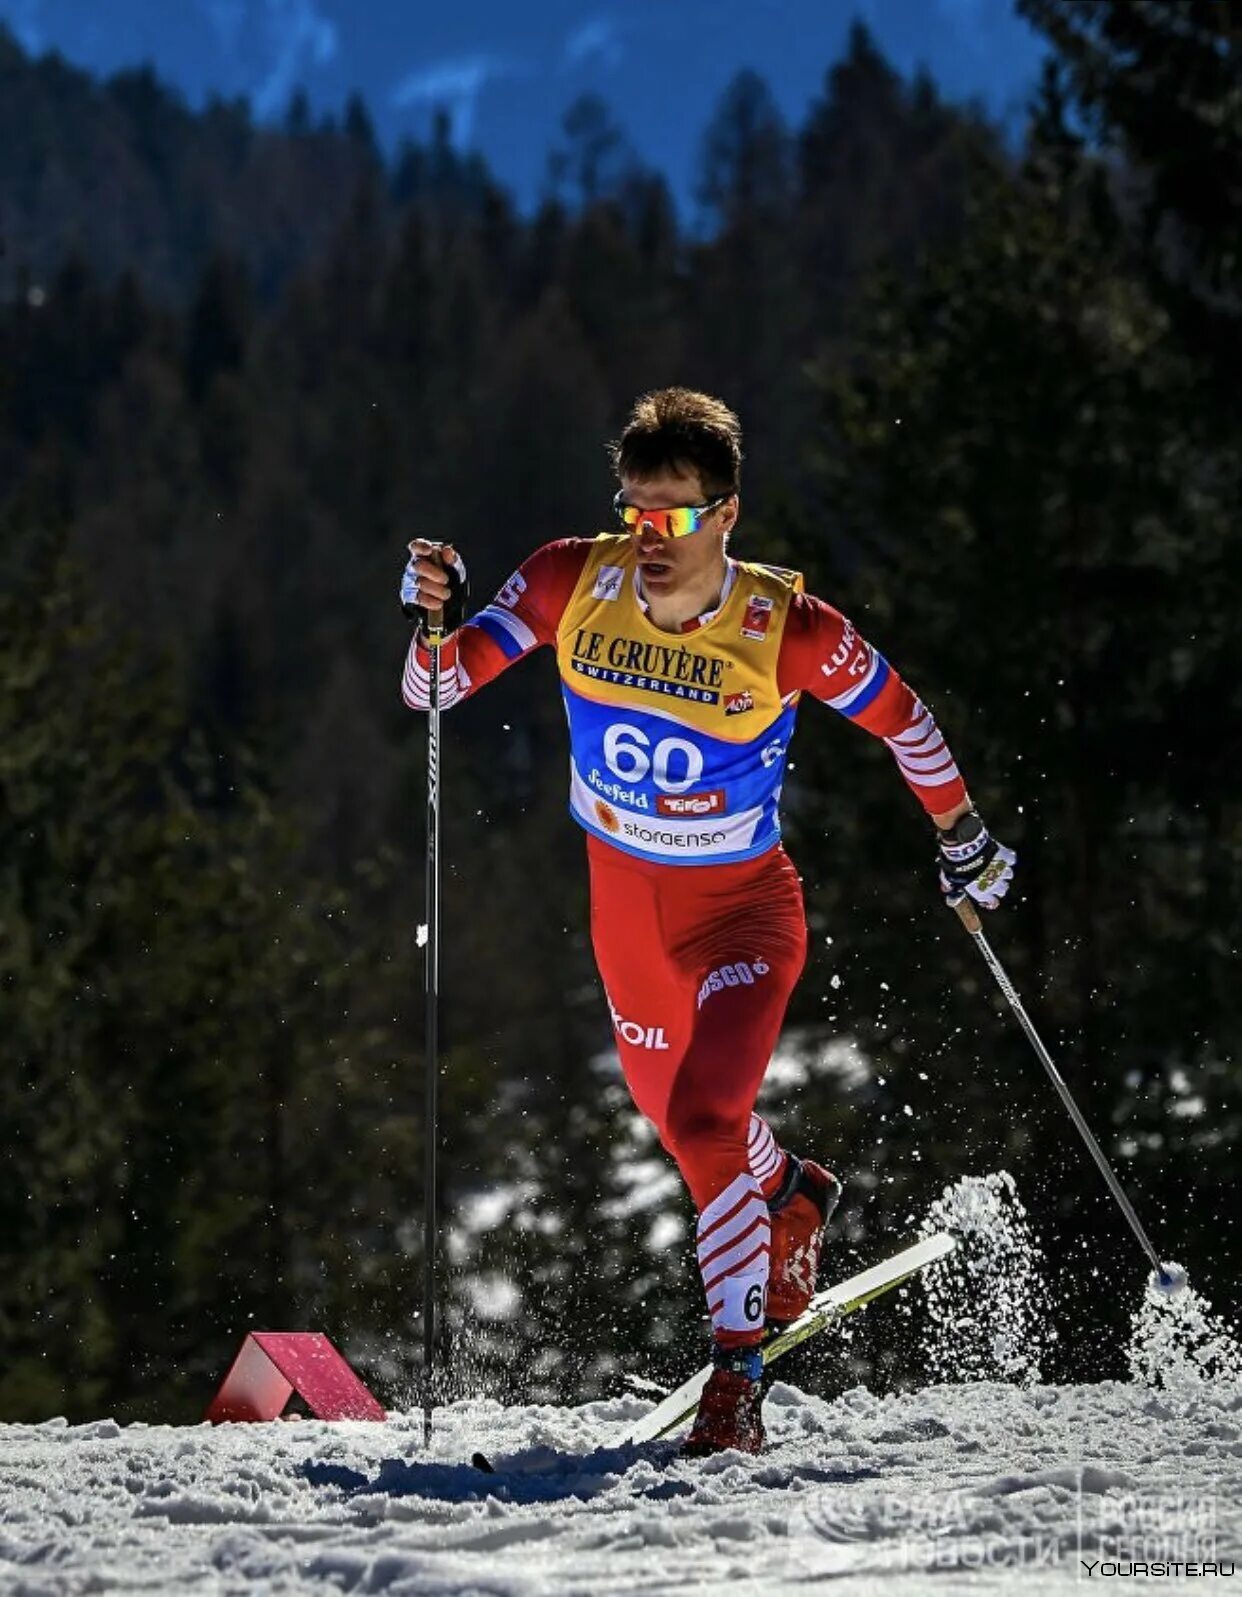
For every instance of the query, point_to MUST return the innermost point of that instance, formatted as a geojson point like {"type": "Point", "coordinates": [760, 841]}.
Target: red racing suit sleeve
{"type": "Point", "coordinates": [525, 613]}
{"type": "Point", "coordinates": [822, 654]}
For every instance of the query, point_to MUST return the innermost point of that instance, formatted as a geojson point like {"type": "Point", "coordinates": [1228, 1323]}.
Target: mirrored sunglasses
{"type": "Point", "coordinates": [679, 521]}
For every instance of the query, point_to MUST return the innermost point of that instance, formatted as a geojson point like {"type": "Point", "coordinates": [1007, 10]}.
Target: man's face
{"type": "Point", "coordinates": [671, 564]}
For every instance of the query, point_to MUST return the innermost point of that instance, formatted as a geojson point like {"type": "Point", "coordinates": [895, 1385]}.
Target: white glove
{"type": "Point", "coordinates": [434, 578]}
{"type": "Point", "coordinates": [973, 864]}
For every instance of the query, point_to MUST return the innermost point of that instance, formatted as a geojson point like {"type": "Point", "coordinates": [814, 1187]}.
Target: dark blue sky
{"type": "Point", "coordinates": [508, 70]}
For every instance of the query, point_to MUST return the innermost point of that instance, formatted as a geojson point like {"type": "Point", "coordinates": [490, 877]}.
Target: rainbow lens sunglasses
{"type": "Point", "coordinates": [678, 522]}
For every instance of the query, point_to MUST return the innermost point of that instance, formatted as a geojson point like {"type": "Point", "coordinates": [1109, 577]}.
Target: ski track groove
{"type": "Point", "coordinates": [856, 1496]}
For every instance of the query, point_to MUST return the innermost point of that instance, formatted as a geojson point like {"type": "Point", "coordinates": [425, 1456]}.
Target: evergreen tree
{"type": "Point", "coordinates": [196, 1127]}
{"type": "Point", "coordinates": [241, 366]}
{"type": "Point", "coordinates": [1157, 86]}
{"type": "Point", "coordinates": [750, 315]}
{"type": "Point", "coordinates": [594, 158]}
{"type": "Point", "coordinates": [1021, 459]}
{"type": "Point", "coordinates": [360, 130]}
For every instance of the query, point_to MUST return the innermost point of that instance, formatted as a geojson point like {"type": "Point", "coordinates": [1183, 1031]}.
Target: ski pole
{"type": "Point", "coordinates": [1169, 1278]}
{"type": "Point", "coordinates": [431, 972]}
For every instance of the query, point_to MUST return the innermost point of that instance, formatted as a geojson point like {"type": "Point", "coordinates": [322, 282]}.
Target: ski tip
{"type": "Point", "coordinates": [482, 1462]}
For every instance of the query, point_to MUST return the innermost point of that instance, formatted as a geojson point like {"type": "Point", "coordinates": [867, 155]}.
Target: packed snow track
{"type": "Point", "coordinates": [979, 1488]}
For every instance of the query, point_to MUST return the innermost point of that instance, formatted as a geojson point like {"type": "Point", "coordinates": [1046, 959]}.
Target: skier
{"type": "Point", "coordinates": [681, 669]}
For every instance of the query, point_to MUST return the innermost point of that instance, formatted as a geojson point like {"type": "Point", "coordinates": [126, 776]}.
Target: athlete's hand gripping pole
{"type": "Point", "coordinates": [434, 587]}
{"type": "Point", "coordinates": [1168, 1278]}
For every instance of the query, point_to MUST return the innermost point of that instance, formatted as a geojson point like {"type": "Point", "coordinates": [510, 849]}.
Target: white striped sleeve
{"type": "Point", "coordinates": [416, 679]}
{"type": "Point", "coordinates": [921, 752]}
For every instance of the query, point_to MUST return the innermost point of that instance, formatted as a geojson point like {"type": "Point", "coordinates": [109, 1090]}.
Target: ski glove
{"type": "Point", "coordinates": [973, 864]}
{"type": "Point", "coordinates": [413, 602]}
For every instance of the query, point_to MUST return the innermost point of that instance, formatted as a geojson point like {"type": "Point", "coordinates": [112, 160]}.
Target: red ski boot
{"type": "Point", "coordinates": [800, 1213]}
{"type": "Point", "coordinates": [730, 1409]}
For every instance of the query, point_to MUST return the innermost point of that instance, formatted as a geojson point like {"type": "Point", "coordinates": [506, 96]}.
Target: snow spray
{"type": "Point", "coordinates": [986, 1318]}
{"type": "Point", "coordinates": [1178, 1342]}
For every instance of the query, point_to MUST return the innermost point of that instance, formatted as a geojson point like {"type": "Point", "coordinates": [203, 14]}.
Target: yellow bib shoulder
{"type": "Point", "coordinates": [720, 677]}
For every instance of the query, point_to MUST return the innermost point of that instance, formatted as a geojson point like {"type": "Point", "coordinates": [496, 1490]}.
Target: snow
{"type": "Point", "coordinates": [1176, 1340]}
{"type": "Point", "coordinates": [987, 1315]}
{"type": "Point", "coordinates": [981, 1487]}
{"type": "Point", "coordinates": [493, 1296]}
{"type": "Point", "coordinates": [982, 1483]}
{"type": "Point", "coordinates": [805, 1055]}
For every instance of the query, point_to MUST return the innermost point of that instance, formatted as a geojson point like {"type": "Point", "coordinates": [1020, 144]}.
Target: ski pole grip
{"type": "Point", "coordinates": [968, 915]}
{"type": "Point", "coordinates": [431, 621]}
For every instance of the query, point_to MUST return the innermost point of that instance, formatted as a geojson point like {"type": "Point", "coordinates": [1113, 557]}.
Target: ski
{"type": "Point", "coordinates": [825, 1309]}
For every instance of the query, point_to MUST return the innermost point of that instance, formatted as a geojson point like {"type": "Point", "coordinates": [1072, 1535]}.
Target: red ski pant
{"type": "Point", "coordinates": [698, 962]}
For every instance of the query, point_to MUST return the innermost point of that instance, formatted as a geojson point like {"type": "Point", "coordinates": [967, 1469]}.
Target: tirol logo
{"type": "Point", "coordinates": [739, 703]}
{"type": "Point", "coordinates": [608, 582]}
{"type": "Point", "coordinates": [654, 667]}
{"type": "Point", "coordinates": [758, 616]}
{"type": "Point", "coordinates": [606, 816]}
{"type": "Point", "coordinates": [712, 803]}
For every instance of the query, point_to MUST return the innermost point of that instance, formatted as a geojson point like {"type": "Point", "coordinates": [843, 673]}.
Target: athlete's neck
{"type": "Point", "coordinates": [671, 611]}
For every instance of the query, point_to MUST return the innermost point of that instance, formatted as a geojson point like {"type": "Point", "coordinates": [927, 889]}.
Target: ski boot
{"type": "Point", "coordinates": [800, 1210]}
{"type": "Point", "coordinates": [730, 1409]}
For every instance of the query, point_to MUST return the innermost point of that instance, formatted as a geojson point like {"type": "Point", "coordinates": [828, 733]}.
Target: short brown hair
{"type": "Point", "coordinates": [677, 429]}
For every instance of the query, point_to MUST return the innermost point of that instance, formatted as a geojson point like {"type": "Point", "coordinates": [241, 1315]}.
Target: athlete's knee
{"type": "Point", "coordinates": [704, 1129]}
{"type": "Point", "coordinates": [710, 1149]}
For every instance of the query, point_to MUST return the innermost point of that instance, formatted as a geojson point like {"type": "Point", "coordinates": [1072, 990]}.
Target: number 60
{"type": "Point", "coordinates": [625, 752]}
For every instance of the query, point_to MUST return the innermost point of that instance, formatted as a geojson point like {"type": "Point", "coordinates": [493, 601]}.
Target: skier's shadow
{"type": "Point", "coordinates": [541, 1475]}
{"type": "Point", "coordinates": [536, 1475]}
